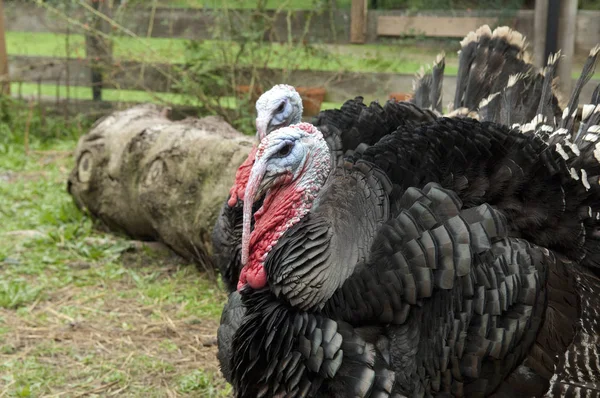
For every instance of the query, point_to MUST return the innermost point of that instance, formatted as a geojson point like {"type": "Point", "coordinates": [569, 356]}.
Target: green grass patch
{"type": "Point", "coordinates": [85, 93]}
{"type": "Point", "coordinates": [84, 312]}
{"type": "Point", "coordinates": [398, 58]}
{"type": "Point", "coordinates": [403, 57]}
{"type": "Point", "coordinates": [16, 293]}
{"type": "Point", "coordinates": [125, 48]}
{"type": "Point", "coordinates": [203, 384]}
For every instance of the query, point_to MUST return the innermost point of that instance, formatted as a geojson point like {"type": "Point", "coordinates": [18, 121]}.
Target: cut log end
{"type": "Point", "coordinates": [140, 173]}
{"type": "Point", "coordinates": [85, 166]}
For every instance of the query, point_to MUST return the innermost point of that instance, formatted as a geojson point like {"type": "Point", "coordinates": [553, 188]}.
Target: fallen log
{"type": "Point", "coordinates": [151, 178]}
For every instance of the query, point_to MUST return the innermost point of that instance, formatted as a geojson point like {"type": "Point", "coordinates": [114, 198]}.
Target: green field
{"type": "Point", "coordinates": [365, 58]}
{"type": "Point", "coordinates": [404, 59]}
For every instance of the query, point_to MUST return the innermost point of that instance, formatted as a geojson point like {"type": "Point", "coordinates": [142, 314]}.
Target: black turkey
{"type": "Point", "coordinates": [493, 56]}
{"type": "Point", "coordinates": [343, 132]}
{"type": "Point", "coordinates": [452, 258]}
{"type": "Point", "coordinates": [415, 269]}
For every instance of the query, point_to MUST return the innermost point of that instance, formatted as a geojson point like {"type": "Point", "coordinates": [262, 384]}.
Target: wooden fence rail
{"type": "Point", "coordinates": [340, 85]}
{"type": "Point", "coordinates": [158, 77]}
{"type": "Point", "coordinates": [330, 26]}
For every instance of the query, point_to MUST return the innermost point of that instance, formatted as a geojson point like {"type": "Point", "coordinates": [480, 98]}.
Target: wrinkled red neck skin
{"type": "Point", "coordinates": [241, 178]}
{"type": "Point", "coordinates": [276, 215]}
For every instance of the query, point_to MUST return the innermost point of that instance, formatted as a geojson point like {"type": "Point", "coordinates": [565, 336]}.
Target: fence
{"type": "Point", "coordinates": [332, 26]}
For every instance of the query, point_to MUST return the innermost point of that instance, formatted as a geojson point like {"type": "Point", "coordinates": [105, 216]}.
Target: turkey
{"type": "Point", "coordinates": [503, 51]}
{"type": "Point", "coordinates": [464, 272]}
{"type": "Point", "coordinates": [342, 134]}
{"type": "Point", "coordinates": [455, 258]}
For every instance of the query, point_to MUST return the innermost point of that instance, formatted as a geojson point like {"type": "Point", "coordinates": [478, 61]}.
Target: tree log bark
{"type": "Point", "coordinates": [151, 178]}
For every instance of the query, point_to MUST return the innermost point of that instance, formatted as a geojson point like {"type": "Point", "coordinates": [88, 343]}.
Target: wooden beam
{"type": "Point", "coordinates": [566, 42]}
{"type": "Point", "coordinates": [539, 33]}
{"type": "Point", "coordinates": [4, 80]}
{"type": "Point", "coordinates": [340, 86]}
{"type": "Point", "coordinates": [430, 26]}
{"type": "Point", "coordinates": [98, 48]}
{"type": "Point", "coordinates": [358, 21]}
{"type": "Point", "coordinates": [552, 24]}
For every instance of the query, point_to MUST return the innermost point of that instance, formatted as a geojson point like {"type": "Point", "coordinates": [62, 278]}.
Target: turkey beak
{"type": "Point", "coordinates": [262, 124]}
{"type": "Point", "coordinates": [265, 184]}
{"type": "Point", "coordinates": [252, 189]}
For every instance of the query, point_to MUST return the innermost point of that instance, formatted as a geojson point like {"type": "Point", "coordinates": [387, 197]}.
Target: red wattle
{"type": "Point", "coordinates": [255, 276]}
{"type": "Point", "coordinates": [241, 178]}
{"type": "Point", "coordinates": [280, 206]}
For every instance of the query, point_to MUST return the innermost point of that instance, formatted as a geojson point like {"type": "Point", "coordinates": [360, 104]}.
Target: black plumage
{"type": "Point", "coordinates": [427, 88]}
{"type": "Point", "coordinates": [588, 70]}
{"type": "Point", "coordinates": [346, 130]}
{"type": "Point", "coordinates": [461, 288]}
{"type": "Point", "coordinates": [496, 81]}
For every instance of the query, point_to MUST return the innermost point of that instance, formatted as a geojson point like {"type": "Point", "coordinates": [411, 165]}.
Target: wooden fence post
{"type": "Point", "coordinates": [98, 48]}
{"type": "Point", "coordinates": [566, 41]}
{"type": "Point", "coordinates": [539, 33]}
{"type": "Point", "coordinates": [4, 79]}
{"type": "Point", "coordinates": [358, 21]}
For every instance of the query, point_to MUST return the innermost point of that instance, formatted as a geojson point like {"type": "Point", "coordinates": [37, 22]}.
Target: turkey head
{"type": "Point", "coordinates": [281, 106]}
{"type": "Point", "coordinates": [290, 167]}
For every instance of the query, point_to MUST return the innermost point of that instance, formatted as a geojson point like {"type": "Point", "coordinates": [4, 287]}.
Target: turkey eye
{"type": "Point", "coordinates": [285, 150]}
{"type": "Point", "coordinates": [280, 107]}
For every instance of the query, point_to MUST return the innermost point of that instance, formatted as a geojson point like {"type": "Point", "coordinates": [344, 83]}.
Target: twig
{"type": "Point", "coordinates": [148, 35]}
{"type": "Point", "coordinates": [5, 390]}
{"type": "Point", "coordinates": [35, 303]}
{"type": "Point", "coordinates": [67, 70]}
{"type": "Point", "coordinates": [124, 365]}
{"type": "Point", "coordinates": [27, 125]}
{"type": "Point", "coordinates": [120, 390]}
{"type": "Point", "coordinates": [99, 389]}
{"type": "Point", "coordinates": [59, 315]}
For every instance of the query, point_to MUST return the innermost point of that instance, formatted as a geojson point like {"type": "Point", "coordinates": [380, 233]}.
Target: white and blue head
{"type": "Point", "coordinates": [291, 166]}
{"type": "Point", "coordinates": [281, 106]}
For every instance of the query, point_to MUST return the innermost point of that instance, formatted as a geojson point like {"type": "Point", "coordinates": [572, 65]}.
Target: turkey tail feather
{"type": "Point", "coordinates": [437, 80]}
{"type": "Point", "coordinates": [569, 113]}
{"type": "Point", "coordinates": [466, 56]}
{"type": "Point", "coordinates": [582, 159]}
{"type": "Point", "coordinates": [427, 86]}
{"type": "Point", "coordinates": [422, 86]}
{"type": "Point", "coordinates": [497, 83]}
{"type": "Point", "coordinates": [499, 55]}
{"type": "Point", "coordinates": [596, 95]}
{"type": "Point", "coordinates": [545, 110]}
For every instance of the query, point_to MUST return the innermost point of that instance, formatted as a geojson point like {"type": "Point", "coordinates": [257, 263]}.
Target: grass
{"type": "Point", "coordinates": [84, 312]}
{"type": "Point", "coordinates": [396, 58]}
{"type": "Point", "coordinates": [403, 57]}
{"type": "Point", "coordinates": [248, 4]}
{"type": "Point", "coordinates": [85, 93]}
{"type": "Point", "coordinates": [78, 92]}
